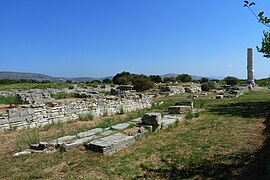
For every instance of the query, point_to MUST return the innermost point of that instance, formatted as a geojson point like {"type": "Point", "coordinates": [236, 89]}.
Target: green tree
{"type": "Point", "coordinates": [204, 80]}
{"type": "Point", "coordinates": [141, 82]}
{"type": "Point", "coordinates": [122, 78]}
{"type": "Point", "coordinates": [265, 44]}
{"type": "Point", "coordinates": [229, 80]}
{"type": "Point", "coordinates": [169, 79]}
{"type": "Point", "coordinates": [184, 78]}
{"type": "Point", "coordinates": [155, 78]}
{"type": "Point", "coordinates": [107, 81]}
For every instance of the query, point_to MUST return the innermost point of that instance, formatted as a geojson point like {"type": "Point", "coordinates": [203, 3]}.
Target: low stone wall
{"type": "Point", "coordinates": [62, 111]}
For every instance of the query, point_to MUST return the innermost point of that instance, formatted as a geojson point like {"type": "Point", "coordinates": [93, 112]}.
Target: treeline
{"type": "Point", "coordinates": [12, 81]}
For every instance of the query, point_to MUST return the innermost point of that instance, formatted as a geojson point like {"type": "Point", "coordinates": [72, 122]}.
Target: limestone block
{"type": "Point", "coordinates": [219, 96]}
{"type": "Point", "coordinates": [106, 133]}
{"type": "Point", "coordinates": [178, 109]}
{"type": "Point", "coordinates": [90, 132]}
{"type": "Point", "coordinates": [190, 103]}
{"type": "Point", "coordinates": [79, 142]}
{"type": "Point", "coordinates": [61, 140]}
{"type": "Point", "coordinates": [151, 119]}
{"type": "Point", "coordinates": [110, 144]}
{"type": "Point", "coordinates": [121, 126]}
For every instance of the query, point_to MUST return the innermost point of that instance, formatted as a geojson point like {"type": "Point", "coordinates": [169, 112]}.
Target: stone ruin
{"type": "Point", "coordinates": [111, 139]}
{"type": "Point", "coordinates": [39, 108]}
{"type": "Point", "coordinates": [173, 90]}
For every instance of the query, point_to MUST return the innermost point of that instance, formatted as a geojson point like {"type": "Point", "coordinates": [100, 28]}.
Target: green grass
{"type": "Point", "coordinates": [25, 86]}
{"type": "Point", "coordinates": [230, 140]}
{"type": "Point", "coordinates": [10, 100]}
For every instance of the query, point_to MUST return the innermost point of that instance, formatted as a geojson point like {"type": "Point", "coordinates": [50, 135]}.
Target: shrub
{"type": "Point", "coordinates": [86, 117]}
{"type": "Point", "coordinates": [26, 138]}
{"type": "Point", "coordinates": [231, 80]}
{"type": "Point", "coordinates": [184, 78]}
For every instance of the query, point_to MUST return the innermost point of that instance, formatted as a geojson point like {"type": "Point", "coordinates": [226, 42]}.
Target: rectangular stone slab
{"type": "Point", "coordinates": [120, 126]}
{"type": "Point", "coordinates": [61, 140]}
{"type": "Point", "coordinates": [110, 144]}
{"type": "Point", "coordinates": [90, 132]}
{"type": "Point", "coordinates": [79, 142]}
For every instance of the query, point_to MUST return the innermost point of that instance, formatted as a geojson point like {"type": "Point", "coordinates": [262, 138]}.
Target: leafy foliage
{"type": "Point", "coordinates": [169, 79]}
{"type": "Point", "coordinates": [229, 80]}
{"type": "Point", "coordinates": [265, 44]}
{"type": "Point", "coordinates": [122, 78]}
{"type": "Point", "coordinates": [141, 82]}
{"type": "Point", "coordinates": [155, 78]}
{"type": "Point", "coordinates": [184, 78]}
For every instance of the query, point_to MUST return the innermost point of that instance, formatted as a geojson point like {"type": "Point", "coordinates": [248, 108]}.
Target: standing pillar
{"type": "Point", "coordinates": [250, 68]}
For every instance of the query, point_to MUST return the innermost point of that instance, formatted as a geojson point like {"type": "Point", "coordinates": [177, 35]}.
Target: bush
{"type": "Point", "coordinates": [141, 82]}
{"type": "Point", "coordinates": [205, 87]}
{"type": "Point", "coordinates": [26, 138]}
{"type": "Point", "coordinates": [231, 80]}
{"type": "Point", "coordinates": [184, 78]}
{"type": "Point", "coordinates": [86, 117]}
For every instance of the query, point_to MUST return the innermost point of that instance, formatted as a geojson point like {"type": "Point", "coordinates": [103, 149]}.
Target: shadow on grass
{"type": "Point", "coordinates": [204, 169]}
{"type": "Point", "coordinates": [245, 110]}
{"type": "Point", "coordinates": [236, 166]}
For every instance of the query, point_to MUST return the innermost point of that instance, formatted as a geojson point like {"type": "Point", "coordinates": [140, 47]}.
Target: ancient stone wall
{"type": "Point", "coordinates": [62, 111]}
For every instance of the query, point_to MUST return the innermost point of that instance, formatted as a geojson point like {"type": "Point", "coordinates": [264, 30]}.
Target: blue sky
{"type": "Point", "coordinates": [97, 38]}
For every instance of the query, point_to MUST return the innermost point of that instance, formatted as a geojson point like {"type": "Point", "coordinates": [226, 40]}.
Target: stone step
{"type": "Point", "coordinates": [110, 144]}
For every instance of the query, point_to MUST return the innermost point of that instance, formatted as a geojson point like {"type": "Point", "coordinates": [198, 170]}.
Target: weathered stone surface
{"type": "Point", "coordinates": [26, 152]}
{"type": "Point", "coordinates": [121, 126]}
{"type": "Point", "coordinates": [178, 109]}
{"type": "Point", "coordinates": [151, 119]}
{"type": "Point", "coordinates": [189, 103]}
{"type": "Point", "coordinates": [61, 140]}
{"type": "Point", "coordinates": [90, 132]}
{"type": "Point", "coordinates": [219, 96]}
{"type": "Point", "coordinates": [79, 142]}
{"type": "Point", "coordinates": [137, 120]}
{"type": "Point", "coordinates": [110, 144]}
{"type": "Point", "coordinates": [106, 133]}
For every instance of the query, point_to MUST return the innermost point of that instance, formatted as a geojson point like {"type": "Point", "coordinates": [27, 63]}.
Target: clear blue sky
{"type": "Point", "coordinates": [97, 38]}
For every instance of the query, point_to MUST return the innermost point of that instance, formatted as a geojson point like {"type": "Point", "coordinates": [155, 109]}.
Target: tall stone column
{"type": "Point", "coordinates": [250, 68]}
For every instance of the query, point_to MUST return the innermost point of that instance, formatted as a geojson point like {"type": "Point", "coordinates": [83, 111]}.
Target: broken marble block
{"type": "Point", "coordinates": [110, 144]}
{"type": "Point", "coordinates": [151, 119]}
{"type": "Point", "coordinates": [79, 142]}
{"type": "Point", "coordinates": [178, 109]}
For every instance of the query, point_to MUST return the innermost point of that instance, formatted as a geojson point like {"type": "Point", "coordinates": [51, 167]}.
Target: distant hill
{"type": "Point", "coordinates": [41, 77]}
{"type": "Point", "coordinates": [194, 77]}
{"type": "Point", "coordinates": [22, 75]}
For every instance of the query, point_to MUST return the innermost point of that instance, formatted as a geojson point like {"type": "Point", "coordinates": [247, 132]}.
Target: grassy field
{"type": "Point", "coordinates": [229, 140]}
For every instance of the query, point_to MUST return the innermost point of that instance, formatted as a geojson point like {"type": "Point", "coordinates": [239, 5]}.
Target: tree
{"type": "Point", "coordinates": [107, 81]}
{"type": "Point", "coordinates": [204, 80]}
{"type": "Point", "coordinates": [155, 78]}
{"type": "Point", "coordinates": [122, 78]}
{"type": "Point", "coordinates": [184, 78]}
{"type": "Point", "coordinates": [169, 79]}
{"type": "Point", "coordinates": [229, 80]}
{"type": "Point", "coordinates": [141, 82]}
{"type": "Point", "coordinates": [265, 45]}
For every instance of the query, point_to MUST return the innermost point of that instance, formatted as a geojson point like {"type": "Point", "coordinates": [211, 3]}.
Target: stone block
{"type": "Point", "coordinates": [151, 119]}
{"type": "Point", "coordinates": [79, 142]}
{"type": "Point", "coordinates": [121, 126]}
{"type": "Point", "coordinates": [61, 140]}
{"type": "Point", "coordinates": [110, 144]}
{"type": "Point", "coordinates": [219, 96]}
{"type": "Point", "coordinates": [190, 103]}
{"type": "Point", "coordinates": [178, 109]}
{"type": "Point", "coordinates": [90, 132]}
